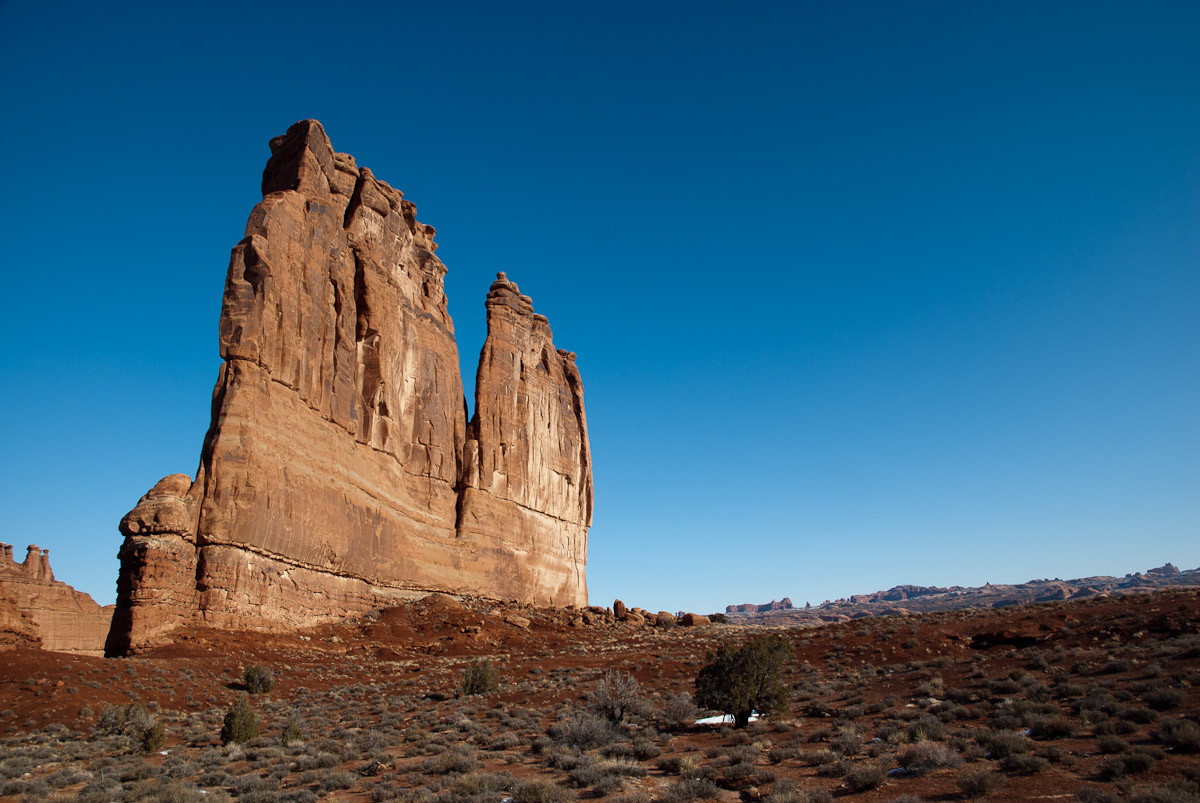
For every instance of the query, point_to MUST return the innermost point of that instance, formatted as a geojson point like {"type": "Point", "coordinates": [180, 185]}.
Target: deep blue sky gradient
{"type": "Point", "coordinates": [863, 293]}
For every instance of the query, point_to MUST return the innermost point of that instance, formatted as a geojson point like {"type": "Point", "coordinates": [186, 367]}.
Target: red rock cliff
{"type": "Point", "coordinates": [37, 610]}
{"type": "Point", "coordinates": [337, 474]}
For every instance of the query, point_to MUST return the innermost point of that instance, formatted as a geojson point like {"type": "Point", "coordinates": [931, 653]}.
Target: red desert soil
{"type": "Point", "coordinates": [1040, 701]}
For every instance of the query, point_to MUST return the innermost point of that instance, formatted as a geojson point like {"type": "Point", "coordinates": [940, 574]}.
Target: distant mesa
{"type": "Point", "coordinates": [784, 604]}
{"type": "Point", "coordinates": [38, 611]}
{"type": "Point", "coordinates": [340, 472]}
{"type": "Point", "coordinates": [924, 599]}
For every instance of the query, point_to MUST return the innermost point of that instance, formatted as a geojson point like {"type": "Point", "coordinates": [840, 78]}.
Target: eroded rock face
{"type": "Point", "coordinates": [527, 501]}
{"type": "Point", "coordinates": [339, 472]}
{"type": "Point", "coordinates": [37, 610]}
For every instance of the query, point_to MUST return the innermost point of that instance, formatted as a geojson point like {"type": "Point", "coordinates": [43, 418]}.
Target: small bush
{"type": "Point", "coordinates": [1001, 744]}
{"type": "Point", "coordinates": [258, 679]}
{"type": "Point", "coordinates": [925, 757]}
{"type": "Point", "coordinates": [617, 696]}
{"type": "Point", "coordinates": [1164, 699]}
{"type": "Point", "coordinates": [152, 738]}
{"type": "Point", "coordinates": [291, 733]}
{"type": "Point", "coordinates": [1180, 734]}
{"type": "Point", "coordinates": [241, 723]}
{"type": "Point", "coordinates": [979, 782]}
{"type": "Point", "coordinates": [1112, 744]}
{"type": "Point", "coordinates": [1024, 765]}
{"type": "Point", "coordinates": [583, 729]}
{"type": "Point", "coordinates": [1094, 794]}
{"type": "Point", "coordinates": [678, 711]}
{"type": "Point", "coordinates": [1058, 727]}
{"type": "Point", "coordinates": [1173, 792]}
{"type": "Point", "coordinates": [135, 722]}
{"type": "Point", "coordinates": [690, 789]}
{"type": "Point", "coordinates": [862, 777]}
{"type": "Point", "coordinates": [540, 790]}
{"type": "Point", "coordinates": [481, 677]}
{"type": "Point", "coordinates": [1132, 764]}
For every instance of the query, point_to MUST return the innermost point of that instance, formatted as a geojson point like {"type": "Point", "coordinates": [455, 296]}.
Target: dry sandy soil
{"type": "Point", "coordinates": [1093, 700]}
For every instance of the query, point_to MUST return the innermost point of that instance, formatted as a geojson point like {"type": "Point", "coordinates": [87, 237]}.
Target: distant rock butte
{"type": "Point", "coordinates": [38, 611]}
{"type": "Point", "coordinates": [340, 472]}
{"type": "Point", "coordinates": [784, 604]}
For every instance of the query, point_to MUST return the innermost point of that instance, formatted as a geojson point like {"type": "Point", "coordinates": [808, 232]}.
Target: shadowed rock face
{"type": "Point", "coordinates": [339, 472]}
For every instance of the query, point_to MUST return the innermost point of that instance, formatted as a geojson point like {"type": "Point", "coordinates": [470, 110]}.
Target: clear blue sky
{"type": "Point", "coordinates": [863, 293]}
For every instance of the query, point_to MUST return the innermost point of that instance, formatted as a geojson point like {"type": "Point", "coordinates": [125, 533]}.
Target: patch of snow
{"type": "Point", "coordinates": [722, 719]}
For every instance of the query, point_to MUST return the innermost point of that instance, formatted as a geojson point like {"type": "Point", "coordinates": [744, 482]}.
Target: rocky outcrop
{"type": "Point", "coordinates": [784, 604]}
{"type": "Point", "coordinates": [37, 610]}
{"type": "Point", "coordinates": [527, 464]}
{"type": "Point", "coordinates": [340, 472]}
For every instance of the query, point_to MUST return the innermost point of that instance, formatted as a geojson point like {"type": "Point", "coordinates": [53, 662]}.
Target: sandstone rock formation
{"type": "Point", "coordinates": [37, 610]}
{"type": "Point", "coordinates": [784, 604]}
{"type": "Point", "coordinates": [340, 472]}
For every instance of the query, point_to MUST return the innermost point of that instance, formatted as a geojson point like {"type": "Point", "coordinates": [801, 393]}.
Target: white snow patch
{"type": "Point", "coordinates": [722, 719]}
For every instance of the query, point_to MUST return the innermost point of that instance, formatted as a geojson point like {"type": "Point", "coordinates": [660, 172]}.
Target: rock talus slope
{"type": "Point", "coordinates": [339, 471]}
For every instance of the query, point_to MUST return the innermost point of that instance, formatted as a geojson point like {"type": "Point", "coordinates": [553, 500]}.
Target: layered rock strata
{"type": "Point", "coordinates": [340, 472]}
{"type": "Point", "coordinates": [38, 611]}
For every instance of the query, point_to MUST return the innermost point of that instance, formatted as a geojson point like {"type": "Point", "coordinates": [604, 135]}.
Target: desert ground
{"type": "Point", "coordinates": [1090, 700]}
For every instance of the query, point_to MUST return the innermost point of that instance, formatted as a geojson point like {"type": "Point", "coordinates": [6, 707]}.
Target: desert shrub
{"type": "Point", "coordinates": [862, 777]}
{"type": "Point", "coordinates": [1056, 727]}
{"type": "Point", "coordinates": [1094, 794]}
{"type": "Point", "coordinates": [847, 743]}
{"type": "Point", "coordinates": [1112, 744]}
{"type": "Point", "coordinates": [240, 724]}
{"type": "Point", "coordinates": [678, 711]}
{"type": "Point", "coordinates": [1173, 792]}
{"type": "Point", "coordinates": [451, 762]}
{"type": "Point", "coordinates": [583, 729]}
{"type": "Point", "coordinates": [481, 677]}
{"type": "Point", "coordinates": [258, 679]}
{"type": "Point", "coordinates": [152, 738]}
{"type": "Point", "coordinates": [925, 757]}
{"type": "Point", "coordinates": [1142, 716]}
{"type": "Point", "coordinates": [472, 784]}
{"type": "Point", "coordinates": [742, 680]}
{"type": "Point", "coordinates": [1164, 699]}
{"type": "Point", "coordinates": [1024, 765]}
{"type": "Point", "coordinates": [926, 726]}
{"type": "Point", "coordinates": [718, 618]}
{"type": "Point", "coordinates": [1180, 734]}
{"type": "Point", "coordinates": [689, 789]}
{"type": "Point", "coordinates": [777, 755]}
{"type": "Point", "coordinates": [291, 733]}
{"type": "Point", "coordinates": [978, 782]}
{"type": "Point", "coordinates": [1001, 744]}
{"type": "Point", "coordinates": [820, 758]}
{"type": "Point", "coordinates": [135, 722]}
{"type": "Point", "coordinates": [598, 772]}
{"type": "Point", "coordinates": [101, 790]}
{"type": "Point", "coordinates": [617, 696]}
{"type": "Point", "coordinates": [540, 790]}
{"type": "Point", "coordinates": [333, 780]}
{"type": "Point", "coordinates": [1114, 769]}
{"type": "Point", "coordinates": [505, 741]}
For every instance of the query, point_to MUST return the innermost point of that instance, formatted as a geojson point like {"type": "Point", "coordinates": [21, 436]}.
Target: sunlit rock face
{"type": "Point", "coordinates": [339, 471]}
{"type": "Point", "coordinates": [38, 611]}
